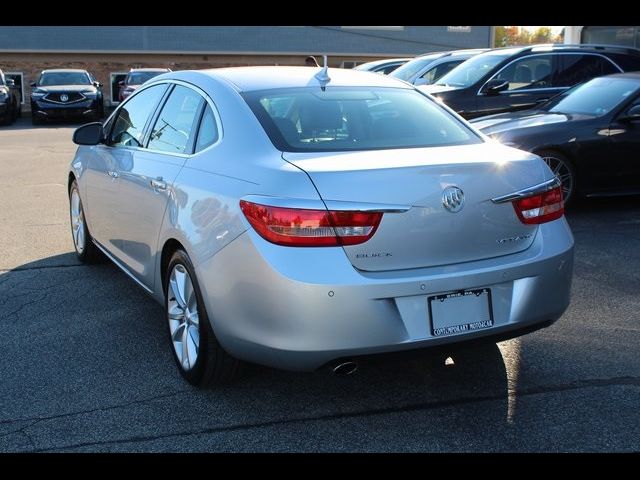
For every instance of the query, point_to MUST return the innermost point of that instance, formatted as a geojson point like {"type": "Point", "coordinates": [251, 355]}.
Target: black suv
{"type": "Point", "coordinates": [9, 100]}
{"type": "Point", "coordinates": [508, 79]}
{"type": "Point", "coordinates": [66, 94]}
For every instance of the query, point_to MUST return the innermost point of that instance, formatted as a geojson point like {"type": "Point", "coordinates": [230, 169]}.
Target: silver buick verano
{"type": "Point", "coordinates": [300, 217]}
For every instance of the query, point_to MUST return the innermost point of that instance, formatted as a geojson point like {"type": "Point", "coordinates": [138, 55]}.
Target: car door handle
{"type": "Point", "coordinates": [542, 100]}
{"type": "Point", "coordinates": [158, 184]}
{"type": "Point", "coordinates": [113, 174]}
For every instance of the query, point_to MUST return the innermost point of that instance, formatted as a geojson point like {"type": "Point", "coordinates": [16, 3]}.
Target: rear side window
{"type": "Point", "coordinates": [128, 126]}
{"type": "Point", "coordinates": [434, 74]}
{"type": "Point", "coordinates": [528, 72]}
{"type": "Point", "coordinates": [573, 69]}
{"type": "Point", "coordinates": [175, 126]}
{"type": "Point", "coordinates": [208, 132]}
{"type": "Point", "coordinates": [355, 118]}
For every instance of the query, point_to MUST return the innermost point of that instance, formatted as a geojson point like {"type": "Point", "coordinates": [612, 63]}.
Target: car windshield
{"type": "Point", "coordinates": [308, 119]}
{"type": "Point", "coordinates": [408, 70]}
{"type": "Point", "coordinates": [596, 97]}
{"type": "Point", "coordinates": [469, 72]}
{"type": "Point", "coordinates": [138, 78]}
{"type": "Point", "coordinates": [63, 78]}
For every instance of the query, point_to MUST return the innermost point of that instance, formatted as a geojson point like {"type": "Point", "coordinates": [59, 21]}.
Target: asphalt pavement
{"type": "Point", "coordinates": [86, 361]}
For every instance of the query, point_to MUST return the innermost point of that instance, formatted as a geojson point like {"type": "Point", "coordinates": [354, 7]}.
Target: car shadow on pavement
{"type": "Point", "coordinates": [24, 123]}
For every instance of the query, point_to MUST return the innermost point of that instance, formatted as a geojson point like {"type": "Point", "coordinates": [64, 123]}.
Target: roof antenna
{"type": "Point", "coordinates": [323, 76]}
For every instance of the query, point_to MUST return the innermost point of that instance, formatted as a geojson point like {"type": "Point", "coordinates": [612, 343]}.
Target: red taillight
{"type": "Point", "coordinates": [296, 227]}
{"type": "Point", "coordinates": [540, 208]}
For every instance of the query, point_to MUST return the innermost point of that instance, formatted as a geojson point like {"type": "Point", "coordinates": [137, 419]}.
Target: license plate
{"type": "Point", "coordinates": [460, 312]}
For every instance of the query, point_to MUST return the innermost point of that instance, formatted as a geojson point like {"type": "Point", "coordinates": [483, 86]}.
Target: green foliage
{"type": "Point", "coordinates": [507, 36]}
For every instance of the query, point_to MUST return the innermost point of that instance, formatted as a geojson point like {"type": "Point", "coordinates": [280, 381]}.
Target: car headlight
{"type": "Point", "coordinates": [90, 93]}
{"type": "Point", "coordinates": [3, 94]}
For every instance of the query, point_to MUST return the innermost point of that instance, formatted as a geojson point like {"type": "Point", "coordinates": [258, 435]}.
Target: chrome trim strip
{"type": "Point", "coordinates": [121, 266]}
{"type": "Point", "coordinates": [529, 191]}
{"type": "Point", "coordinates": [69, 102]}
{"type": "Point", "coordinates": [310, 204]}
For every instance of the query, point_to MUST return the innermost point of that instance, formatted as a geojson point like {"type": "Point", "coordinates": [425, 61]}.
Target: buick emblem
{"type": "Point", "coordinates": [64, 97]}
{"type": "Point", "coordinates": [453, 199]}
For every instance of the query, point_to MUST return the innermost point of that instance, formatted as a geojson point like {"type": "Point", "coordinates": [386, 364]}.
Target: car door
{"type": "Point", "coordinates": [530, 82]}
{"type": "Point", "coordinates": [146, 185]}
{"type": "Point", "coordinates": [624, 145]}
{"type": "Point", "coordinates": [106, 162]}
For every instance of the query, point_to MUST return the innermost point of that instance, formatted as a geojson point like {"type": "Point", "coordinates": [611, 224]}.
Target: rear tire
{"type": "Point", "coordinates": [198, 355]}
{"type": "Point", "coordinates": [86, 251]}
{"type": "Point", "coordinates": [563, 169]}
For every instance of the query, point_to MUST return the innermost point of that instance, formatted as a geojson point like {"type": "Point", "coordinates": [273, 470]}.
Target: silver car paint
{"type": "Point", "coordinates": [298, 308]}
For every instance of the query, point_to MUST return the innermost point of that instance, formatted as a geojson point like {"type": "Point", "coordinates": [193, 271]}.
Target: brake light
{"type": "Point", "coordinates": [296, 227]}
{"type": "Point", "coordinates": [540, 208]}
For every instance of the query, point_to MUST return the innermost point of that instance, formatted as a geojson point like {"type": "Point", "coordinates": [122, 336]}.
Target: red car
{"type": "Point", "coordinates": [136, 77]}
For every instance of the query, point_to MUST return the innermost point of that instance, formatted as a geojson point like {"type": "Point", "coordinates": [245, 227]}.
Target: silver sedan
{"type": "Point", "coordinates": [300, 217]}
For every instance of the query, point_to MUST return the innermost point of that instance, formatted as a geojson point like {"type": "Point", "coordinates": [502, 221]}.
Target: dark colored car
{"type": "Point", "coordinates": [589, 135]}
{"type": "Point", "coordinates": [66, 94]}
{"type": "Point", "coordinates": [9, 100]}
{"type": "Point", "coordinates": [429, 68]}
{"type": "Point", "coordinates": [509, 79]}
{"type": "Point", "coordinates": [137, 77]}
{"type": "Point", "coordinates": [385, 66]}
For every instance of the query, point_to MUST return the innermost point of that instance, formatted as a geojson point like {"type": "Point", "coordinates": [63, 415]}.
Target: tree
{"type": "Point", "coordinates": [507, 36]}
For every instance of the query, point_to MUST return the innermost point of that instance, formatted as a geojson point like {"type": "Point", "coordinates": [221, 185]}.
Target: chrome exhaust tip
{"type": "Point", "coordinates": [345, 368]}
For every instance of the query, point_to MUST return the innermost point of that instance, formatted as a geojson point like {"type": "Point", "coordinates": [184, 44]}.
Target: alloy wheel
{"type": "Point", "coordinates": [184, 321]}
{"type": "Point", "coordinates": [77, 222]}
{"type": "Point", "coordinates": [563, 173]}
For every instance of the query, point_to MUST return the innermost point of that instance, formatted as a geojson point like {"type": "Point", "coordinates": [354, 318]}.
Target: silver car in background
{"type": "Point", "coordinates": [428, 68]}
{"type": "Point", "coordinates": [300, 217]}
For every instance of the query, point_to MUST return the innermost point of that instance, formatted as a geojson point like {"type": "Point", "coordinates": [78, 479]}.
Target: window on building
{"type": "Point", "coordinates": [115, 79]}
{"type": "Point", "coordinates": [626, 36]}
{"type": "Point", "coordinates": [18, 78]}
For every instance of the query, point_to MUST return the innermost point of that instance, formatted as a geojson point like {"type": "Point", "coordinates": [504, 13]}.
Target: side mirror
{"type": "Point", "coordinates": [33, 84]}
{"type": "Point", "coordinates": [632, 115]}
{"type": "Point", "coordinates": [97, 84]}
{"type": "Point", "coordinates": [495, 86]}
{"type": "Point", "coordinates": [10, 82]}
{"type": "Point", "coordinates": [89, 134]}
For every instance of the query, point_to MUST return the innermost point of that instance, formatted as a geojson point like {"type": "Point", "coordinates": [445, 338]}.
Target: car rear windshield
{"type": "Point", "coordinates": [596, 97]}
{"type": "Point", "coordinates": [63, 78]}
{"type": "Point", "coordinates": [138, 78]}
{"type": "Point", "coordinates": [308, 119]}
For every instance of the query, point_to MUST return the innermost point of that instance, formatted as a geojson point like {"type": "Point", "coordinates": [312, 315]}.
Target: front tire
{"type": "Point", "coordinates": [200, 358]}
{"type": "Point", "coordinates": [86, 251]}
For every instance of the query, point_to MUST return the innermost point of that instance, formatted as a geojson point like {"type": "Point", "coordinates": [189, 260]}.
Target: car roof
{"type": "Point", "coordinates": [60, 70]}
{"type": "Point", "coordinates": [386, 60]}
{"type": "Point", "coordinates": [631, 75]}
{"type": "Point", "coordinates": [149, 70]}
{"type": "Point", "coordinates": [267, 77]}
{"type": "Point", "coordinates": [562, 47]}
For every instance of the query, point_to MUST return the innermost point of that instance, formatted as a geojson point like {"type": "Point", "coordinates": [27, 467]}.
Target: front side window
{"type": "Point", "coordinates": [48, 79]}
{"type": "Point", "coordinates": [355, 118]}
{"type": "Point", "coordinates": [528, 72]}
{"type": "Point", "coordinates": [175, 126]}
{"type": "Point", "coordinates": [138, 78]}
{"type": "Point", "coordinates": [129, 123]}
{"type": "Point", "coordinates": [578, 68]}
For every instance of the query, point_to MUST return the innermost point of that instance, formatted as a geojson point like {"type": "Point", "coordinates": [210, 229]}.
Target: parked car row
{"type": "Point", "coordinates": [9, 100]}
{"type": "Point", "coordinates": [66, 94]}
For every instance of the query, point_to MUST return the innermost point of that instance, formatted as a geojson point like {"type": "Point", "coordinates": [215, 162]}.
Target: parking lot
{"type": "Point", "coordinates": [86, 361]}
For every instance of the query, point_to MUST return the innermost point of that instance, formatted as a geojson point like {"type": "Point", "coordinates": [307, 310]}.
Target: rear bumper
{"type": "Point", "coordinates": [298, 309]}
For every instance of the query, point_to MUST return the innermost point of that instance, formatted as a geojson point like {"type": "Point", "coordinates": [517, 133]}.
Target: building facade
{"type": "Point", "coordinates": [110, 51]}
{"type": "Point", "coordinates": [627, 36]}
